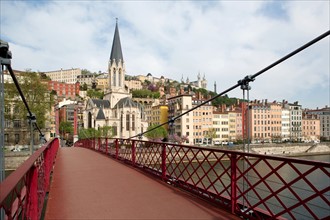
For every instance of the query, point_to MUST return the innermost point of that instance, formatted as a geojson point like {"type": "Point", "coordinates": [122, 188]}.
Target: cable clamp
{"type": "Point", "coordinates": [245, 82]}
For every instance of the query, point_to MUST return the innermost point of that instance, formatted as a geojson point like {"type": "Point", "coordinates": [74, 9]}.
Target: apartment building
{"type": "Point", "coordinates": [133, 84]}
{"type": "Point", "coordinates": [64, 90]}
{"type": "Point", "coordinates": [67, 76]}
{"type": "Point", "coordinates": [182, 126]}
{"type": "Point", "coordinates": [295, 120]}
{"type": "Point", "coordinates": [285, 124]}
{"type": "Point", "coordinates": [323, 115]}
{"type": "Point", "coordinates": [88, 79]}
{"type": "Point", "coordinates": [159, 115]}
{"type": "Point", "coordinates": [310, 128]}
{"type": "Point", "coordinates": [102, 82]}
{"type": "Point", "coordinates": [265, 121]}
{"type": "Point", "coordinates": [232, 125]}
{"type": "Point", "coordinates": [202, 121]}
{"type": "Point", "coordinates": [221, 126]}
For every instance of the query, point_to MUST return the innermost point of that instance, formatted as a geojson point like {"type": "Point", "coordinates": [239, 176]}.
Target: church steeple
{"type": "Point", "coordinates": [116, 66]}
{"type": "Point", "coordinates": [116, 52]}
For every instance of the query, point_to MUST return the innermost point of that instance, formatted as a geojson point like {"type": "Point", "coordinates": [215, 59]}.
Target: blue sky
{"type": "Point", "coordinates": [225, 40]}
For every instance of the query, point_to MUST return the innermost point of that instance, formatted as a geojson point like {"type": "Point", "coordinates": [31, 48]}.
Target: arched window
{"type": "Point", "coordinates": [133, 122]}
{"type": "Point", "coordinates": [127, 122]}
{"type": "Point", "coordinates": [120, 78]}
{"type": "Point", "coordinates": [114, 77]}
{"type": "Point", "coordinates": [89, 120]}
{"type": "Point", "coordinates": [114, 129]}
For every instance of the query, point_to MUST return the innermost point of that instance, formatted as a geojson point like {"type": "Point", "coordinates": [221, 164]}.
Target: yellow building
{"type": "Point", "coordinates": [102, 82]}
{"type": "Point", "coordinates": [159, 115]}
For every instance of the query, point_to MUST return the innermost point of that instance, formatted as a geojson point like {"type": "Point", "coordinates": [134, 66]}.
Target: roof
{"type": "Point", "coordinates": [116, 52]}
{"type": "Point", "coordinates": [100, 114]}
{"type": "Point", "coordinates": [101, 103]}
{"type": "Point", "coordinates": [127, 102]}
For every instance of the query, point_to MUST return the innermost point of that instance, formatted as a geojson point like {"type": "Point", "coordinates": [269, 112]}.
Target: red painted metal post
{"type": "Point", "coordinates": [32, 197]}
{"type": "Point", "coordinates": [233, 163]}
{"type": "Point", "coordinates": [106, 146]}
{"type": "Point", "coordinates": [133, 152]}
{"type": "Point", "coordinates": [164, 162]}
{"type": "Point", "coordinates": [116, 143]}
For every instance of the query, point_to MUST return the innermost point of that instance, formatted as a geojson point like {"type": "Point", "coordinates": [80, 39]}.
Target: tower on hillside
{"type": "Point", "coordinates": [215, 87]}
{"type": "Point", "coordinates": [116, 66]}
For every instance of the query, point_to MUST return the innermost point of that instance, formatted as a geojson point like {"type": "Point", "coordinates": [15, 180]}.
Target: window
{"type": "Point", "coordinates": [119, 77]}
{"type": "Point", "coordinates": [17, 123]}
{"type": "Point", "coordinates": [133, 122]}
{"type": "Point", "coordinates": [16, 138]}
{"type": "Point", "coordinates": [114, 77]}
{"type": "Point", "coordinates": [7, 123]}
{"type": "Point", "coordinates": [6, 138]}
{"type": "Point", "coordinates": [16, 109]}
{"type": "Point", "coordinates": [127, 122]}
{"type": "Point", "coordinates": [114, 130]}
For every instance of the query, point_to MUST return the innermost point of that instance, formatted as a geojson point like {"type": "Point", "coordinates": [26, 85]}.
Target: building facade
{"type": "Point", "coordinates": [64, 90]}
{"type": "Point", "coordinates": [66, 76]}
{"type": "Point", "coordinates": [310, 128]}
{"type": "Point", "coordinates": [202, 118]}
{"type": "Point", "coordinates": [183, 126]}
{"type": "Point", "coordinates": [323, 115]}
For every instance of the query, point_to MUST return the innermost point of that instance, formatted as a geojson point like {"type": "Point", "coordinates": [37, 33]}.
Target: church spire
{"type": "Point", "coordinates": [116, 52]}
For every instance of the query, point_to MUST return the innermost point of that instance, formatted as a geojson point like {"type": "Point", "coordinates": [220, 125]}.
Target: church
{"type": "Point", "coordinates": [116, 109]}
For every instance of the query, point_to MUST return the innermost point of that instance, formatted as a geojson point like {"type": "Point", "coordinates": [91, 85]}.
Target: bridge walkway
{"type": "Point", "coordinates": [89, 185]}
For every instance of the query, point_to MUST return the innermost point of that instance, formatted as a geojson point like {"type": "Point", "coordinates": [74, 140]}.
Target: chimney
{"type": "Point", "coordinates": [223, 107]}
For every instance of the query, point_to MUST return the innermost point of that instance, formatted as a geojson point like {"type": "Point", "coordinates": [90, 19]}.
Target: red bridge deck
{"type": "Point", "coordinates": [88, 185]}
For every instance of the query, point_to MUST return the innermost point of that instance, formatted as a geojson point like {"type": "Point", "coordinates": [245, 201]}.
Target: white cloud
{"type": "Point", "coordinates": [225, 40]}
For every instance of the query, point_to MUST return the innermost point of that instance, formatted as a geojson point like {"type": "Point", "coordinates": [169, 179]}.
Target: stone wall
{"type": "Point", "coordinates": [14, 159]}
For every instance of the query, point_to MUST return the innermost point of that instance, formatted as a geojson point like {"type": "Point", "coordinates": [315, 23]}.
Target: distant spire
{"type": "Point", "coordinates": [116, 52]}
{"type": "Point", "coordinates": [215, 87]}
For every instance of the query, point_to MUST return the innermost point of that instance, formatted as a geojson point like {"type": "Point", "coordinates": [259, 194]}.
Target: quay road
{"type": "Point", "coordinates": [89, 185]}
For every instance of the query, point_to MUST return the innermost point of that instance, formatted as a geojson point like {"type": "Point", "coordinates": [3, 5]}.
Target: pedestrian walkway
{"type": "Point", "coordinates": [89, 185]}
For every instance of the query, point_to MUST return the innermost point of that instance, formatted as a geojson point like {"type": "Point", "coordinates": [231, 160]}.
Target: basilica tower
{"type": "Point", "coordinates": [116, 66]}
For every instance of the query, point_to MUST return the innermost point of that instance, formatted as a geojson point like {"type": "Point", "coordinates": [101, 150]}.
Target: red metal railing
{"type": "Point", "coordinates": [250, 185]}
{"type": "Point", "coordinates": [23, 192]}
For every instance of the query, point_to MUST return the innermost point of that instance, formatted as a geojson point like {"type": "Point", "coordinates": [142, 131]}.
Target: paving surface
{"type": "Point", "coordinates": [88, 185]}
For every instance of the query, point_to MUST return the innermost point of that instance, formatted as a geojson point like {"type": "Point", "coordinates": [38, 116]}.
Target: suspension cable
{"type": "Point", "coordinates": [244, 81]}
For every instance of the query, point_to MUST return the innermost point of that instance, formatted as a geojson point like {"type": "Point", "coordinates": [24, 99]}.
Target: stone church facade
{"type": "Point", "coordinates": [117, 109]}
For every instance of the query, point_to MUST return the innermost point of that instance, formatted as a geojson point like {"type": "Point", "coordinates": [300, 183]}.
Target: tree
{"type": "Point", "coordinates": [211, 134]}
{"type": "Point", "coordinates": [95, 94]}
{"type": "Point", "coordinates": [178, 139]}
{"type": "Point", "coordinates": [38, 98]}
{"type": "Point", "coordinates": [156, 134]}
{"type": "Point", "coordinates": [66, 128]}
{"type": "Point", "coordinates": [83, 87]}
{"type": "Point", "coordinates": [88, 133]}
{"type": "Point", "coordinates": [106, 131]}
{"type": "Point", "coordinates": [144, 93]}
{"type": "Point", "coordinates": [85, 72]}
